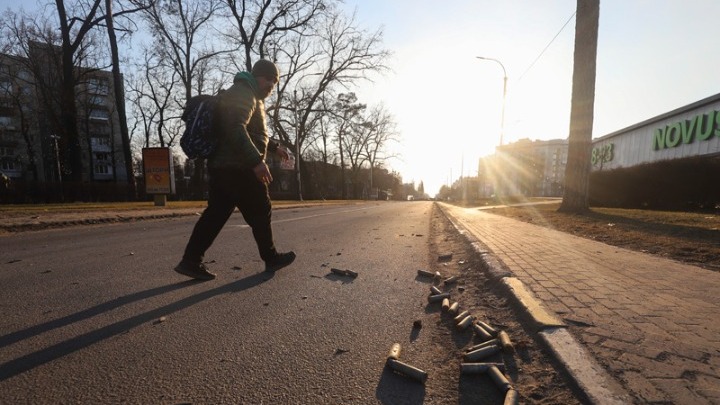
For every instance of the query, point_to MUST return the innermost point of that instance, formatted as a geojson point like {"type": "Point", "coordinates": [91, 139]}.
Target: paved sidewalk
{"type": "Point", "coordinates": [652, 324]}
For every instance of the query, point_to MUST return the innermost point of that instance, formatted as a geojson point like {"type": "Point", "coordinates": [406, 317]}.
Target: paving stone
{"type": "Point", "coordinates": [655, 320]}
{"type": "Point", "coordinates": [708, 387]}
{"type": "Point", "coordinates": [646, 351]}
{"type": "Point", "coordinates": [643, 388]}
{"type": "Point", "coordinates": [679, 391]}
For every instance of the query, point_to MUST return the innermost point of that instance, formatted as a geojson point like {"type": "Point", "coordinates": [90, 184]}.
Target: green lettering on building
{"type": "Point", "coordinates": [701, 128]}
{"type": "Point", "coordinates": [672, 136]}
{"type": "Point", "coordinates": [659, 139]}
{"type": "Point", "coordinates": [705, 131]}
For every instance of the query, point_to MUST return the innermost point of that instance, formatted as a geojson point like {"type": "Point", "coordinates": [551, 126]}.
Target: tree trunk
{"type": "Point", "coordinates": [577, 172]}
{"type": "Point", "coordinates": [120, 103]}
{"type": "Point", "coordinates": [69, 118]}
{"type": "Point", "coordinates": [343, 194]}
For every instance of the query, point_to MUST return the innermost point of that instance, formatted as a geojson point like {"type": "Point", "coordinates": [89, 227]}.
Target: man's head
{"type": "Point", "coordinates": [267, 75]}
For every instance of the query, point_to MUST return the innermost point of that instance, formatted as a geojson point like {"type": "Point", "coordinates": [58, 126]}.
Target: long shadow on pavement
{"type": "Point", "coordinates": [54, 352]}
{"type": "Point", "coordinates": [36, 330]}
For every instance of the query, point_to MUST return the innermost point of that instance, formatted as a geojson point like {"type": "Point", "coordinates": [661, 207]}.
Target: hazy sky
{"type": "Point", "coordinates": [653, 56]}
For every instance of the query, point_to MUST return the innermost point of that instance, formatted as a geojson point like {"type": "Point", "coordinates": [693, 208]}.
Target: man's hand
{"type": "Point", "coordinates": [282, 152]}
{"type": "Point", "coordinates": [262, 172]}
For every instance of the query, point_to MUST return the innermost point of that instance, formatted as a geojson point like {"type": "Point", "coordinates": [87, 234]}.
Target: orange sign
{"type": "Point", "coordinates": [159, 176]}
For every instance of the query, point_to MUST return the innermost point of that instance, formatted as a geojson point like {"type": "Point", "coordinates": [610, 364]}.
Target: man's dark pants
{"type": "Point", "coordinates": [230, 188]}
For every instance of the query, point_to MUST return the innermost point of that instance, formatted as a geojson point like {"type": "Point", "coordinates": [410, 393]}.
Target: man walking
{"type": "Point", "coordinates": [238, 174]}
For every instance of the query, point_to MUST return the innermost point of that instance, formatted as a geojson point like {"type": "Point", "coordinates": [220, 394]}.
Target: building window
{"type": "Point", "coordinates": [7, 159]}
{"type": "Point", "coordinates": [102, 163]}
{"type": "Point", "coordinates": [101, 141]}
{"type": "Point", "coordinates": [99, 86]}
{"type": "Point", "coordinates": [102, 168]}
{"type": "Point", "coordinates": [100, 130]}
{"type": "Point", "coordinates": [96, 99]}
{"type": "Point", "coordinates": [7, 151]}
{"type": "Point", "coordinates": [24, 75]}
{"type": "Point", "coordinates": [8, 165]}
{"type": "Point", "coordinates": [98, 114]}
{"type": "Point", "coordinates": [6, 87]}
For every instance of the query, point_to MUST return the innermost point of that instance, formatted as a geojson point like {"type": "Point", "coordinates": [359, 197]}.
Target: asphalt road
{"type": "Point", "coordinates": [96, 314]}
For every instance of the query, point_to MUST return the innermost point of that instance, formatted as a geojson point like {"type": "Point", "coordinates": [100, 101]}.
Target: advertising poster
{"type": "Point", "coordinates": [159, 176]}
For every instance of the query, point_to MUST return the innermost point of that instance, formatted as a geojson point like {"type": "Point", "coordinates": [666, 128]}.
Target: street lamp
{"type": "Point", "coordinates": [55, 138]}
{"type": "Point", "coordinates": [57, 156]}
{"type": "Point", "coordinates": [502, 119]}
{"type": "Point", "coordinates": [297, 145]}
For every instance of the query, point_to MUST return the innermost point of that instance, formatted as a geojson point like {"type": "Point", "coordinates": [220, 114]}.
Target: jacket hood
{"type": "Point", "coordinates": [248, 78]}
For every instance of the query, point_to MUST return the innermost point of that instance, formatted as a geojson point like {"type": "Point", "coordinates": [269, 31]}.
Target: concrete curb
{"type": "Point", "coordinates": [46, 222]}
{"type": "Point", "coordinates": [91, 220]}
{"type": "Point", "coordinates": [534, 309]}
{"type": "Point", "coordinates": [590, 378]}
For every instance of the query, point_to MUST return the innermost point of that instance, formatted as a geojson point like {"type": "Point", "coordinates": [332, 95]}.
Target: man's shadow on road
{"type": "Point", "coordinates": [40, 357]}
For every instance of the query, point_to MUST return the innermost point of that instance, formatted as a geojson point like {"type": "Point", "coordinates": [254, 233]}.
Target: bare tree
{"type": "Point", "coordinates": [334, 55]}
{"type": "Point", "coordinates": [15, 94]}
{"type": "Point", "coordinates": [143, 109]}
{"type": "Point", "coordinates": [182, 32]}
{"type": "Point", "coordinates": [120, 97]}
{"type": "Point", "coordinates": [381, 131]}
{"type": "Point", "coordinates": [59, 60]}
{"type": "Point", "coordinates": [31, 39]}
{"type": "Point", "coordinates": [345, 117]}
{"type": "Point", "coordinates": [75, 25]}
{"type": "Point", "coordinates": [577, 173]}
{"type": "Point", "coordinates": [261, 24]}
{"type": "Point", "coordinates": [160, 84]}
{"type": "Point", "coordinates": [320, 139]}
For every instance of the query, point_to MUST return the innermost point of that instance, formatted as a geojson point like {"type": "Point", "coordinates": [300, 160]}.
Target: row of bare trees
{"type": "Point", "coordinates": [171, 50]}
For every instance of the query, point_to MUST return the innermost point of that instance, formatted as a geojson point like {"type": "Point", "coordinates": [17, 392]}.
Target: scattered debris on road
{"type": "Point", "coordinates": [341, 272]}
{"type": "Point", "coordinates": [393, 361]}
{"type": "Point", "coordinates": [493, 341]}
{"type": "Point", "coordinates": [425, 273]}
{"type": "Point", "coordinates": [445, 257]}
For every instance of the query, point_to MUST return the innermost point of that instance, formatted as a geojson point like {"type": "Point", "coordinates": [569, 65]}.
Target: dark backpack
{"type": "Point", "coordinates": [200, 117]}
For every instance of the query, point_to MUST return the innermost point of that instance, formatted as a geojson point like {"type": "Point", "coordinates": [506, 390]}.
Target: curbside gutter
{"type": "Point", "coordinates": [591, 379]}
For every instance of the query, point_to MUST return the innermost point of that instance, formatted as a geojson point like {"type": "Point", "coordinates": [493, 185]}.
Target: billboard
{"type": "Point", "coordinates": [158, 169]}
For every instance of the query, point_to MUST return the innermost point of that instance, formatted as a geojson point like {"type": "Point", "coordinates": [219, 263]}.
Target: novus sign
{"type": "Point", "coordinates": [700, 128]}
{"type": "Point", "coordinates": [688, 132]}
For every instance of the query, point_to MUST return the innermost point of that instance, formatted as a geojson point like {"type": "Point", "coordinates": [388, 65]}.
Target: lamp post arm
{"type": "Point", "coordinates": [505, 78]}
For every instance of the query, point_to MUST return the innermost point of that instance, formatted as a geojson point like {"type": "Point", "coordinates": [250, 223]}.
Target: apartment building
{"type": "Point", "coordinates": [525, 167]}
{"type": "Point", "coordinates": [34, 156]}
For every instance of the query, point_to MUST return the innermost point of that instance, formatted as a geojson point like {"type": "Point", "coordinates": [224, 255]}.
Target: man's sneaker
{"type": "Point", "coordinates": [279, 261]}
{"type": "Point", "coordinates": [196, 270]}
